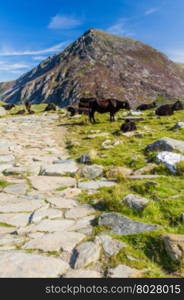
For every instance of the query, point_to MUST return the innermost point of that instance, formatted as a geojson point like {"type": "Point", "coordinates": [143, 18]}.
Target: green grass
{"type": "Point", "coordinates": [165, 194]}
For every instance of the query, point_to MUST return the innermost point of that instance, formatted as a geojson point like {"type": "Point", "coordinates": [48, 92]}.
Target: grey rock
{"type": "Point", "coordinates": [123, 271]}
{"type": "Point", "coordinates": [15, 219]}
{"type": "Point", "coordinates": [92, 171]}
{"type": "Point", "coordinates": [6, 158]}
{"type": "Point", "coordinates": [123, 226]}
{"type": "Point", "coordinates": [79, 211]}
{"type": "Point", "coordinates": [16, 264]}
{"type": "Point", "coordinates": [174, 246]}
{"type": "Point", "coordinates": [49, 183]}
{"type": "Point", "coordinates": [166, 144]}
{"type": "Point", "coordinates": [179, 125]}
{"type": "Point", "coordinates": [85, 254]}
{"type": "Point", "coordinates": [46, 212]}
{"type": "Point", "coordinates": [94, 185]}
{"type": "Point", "coordinates": [82, 273]}
{"type": "Point", "coordinates": [57, 241]}
{"type": "Point", "coordinates": [110, 245]}
{"type": "Point", "coordinates": [16, 189]}
{"type": "Point", "coordinates": [59, 168]}
{"type": "Point", "coordinates": [135, 201]}
{"type": "Point", "coordinates": [170, 159]}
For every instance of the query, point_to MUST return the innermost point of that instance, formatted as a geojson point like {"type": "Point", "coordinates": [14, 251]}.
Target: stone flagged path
{"type": "Point", "coordinates": [44, 229]}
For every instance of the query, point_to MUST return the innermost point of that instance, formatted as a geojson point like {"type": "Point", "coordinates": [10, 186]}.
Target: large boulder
{"type": "Point", "coordinates": [135, 201]}
{"type": "Point", "coordinates": [166, 144]}
{"type": "Point", "coordinates": [170, 160]}
{"type": "Point", "coordinates": [123, 226]}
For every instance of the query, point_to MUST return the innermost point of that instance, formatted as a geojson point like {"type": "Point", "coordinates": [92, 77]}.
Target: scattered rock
{"type": "Point", "coordinates": [118, 171]}
{"type": "Point", "coordinates": [179, 125]}
{"type": "Point", "coordinates": [166, 144]}
{"type": "Point", "coordinates": [108, 144]}
{"type": "Point", "coordinates": [27, 265]}
{"type": "Point", "coordinates": [94, 185]}
{"type": "Point", "coordinates": [103, 134]}
{"type": "Point", "coordinates": [135, 113]}
{"type": "Point", "coordinates": [170, 159]}
{"type": "Point", "coordinates": [49, 183]}
{"type": "Point", "coordinates": [82, 273]}
{"type": "Point", "coordinates": [145, 169]}
{"type": "Point", "coordinates": [123, 225]}
{"type": "Point", "coordinates": [174, 245]}
{"type": "Point", "coordinates": [85, 254]}
{"type": "Point", "coordinates": [87, 158]}
{"type": "Point", "coordinates": [135, 201]}
{"type": "Point", "coordinates": [57, 241]}
{"type": "Point", "coordinates": [92, 171]}
{"type": "Point", "coordinates": [110, 245]}
{"type": "Point", "coordinates": [2, 112]}
{"type": "Point", "coordinates": [123, 271]}
{"type": "Point", "coordinates": [141, 177]}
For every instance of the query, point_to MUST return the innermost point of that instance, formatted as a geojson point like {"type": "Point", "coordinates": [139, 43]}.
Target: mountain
{"type": "Point", "coordinates": [102, 65]}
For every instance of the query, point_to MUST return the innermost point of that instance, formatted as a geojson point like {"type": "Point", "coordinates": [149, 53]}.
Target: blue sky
{"type": "Point", "coordinates": [33, 30]}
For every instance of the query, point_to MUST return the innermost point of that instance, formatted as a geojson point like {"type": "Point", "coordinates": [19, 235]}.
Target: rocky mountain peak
{"type": "Point", "coordinates": [103, 65]}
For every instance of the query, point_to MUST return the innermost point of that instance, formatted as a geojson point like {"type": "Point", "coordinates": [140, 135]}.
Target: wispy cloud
{"type": "Point", "coordinates": [13, 67]}
{"type": "Point", "coordinates": [64, 22]}
{"type": "Point", "coordinates": [119, 28]}
{"type": "Point", "coordinates": [56, 48]}
{"type": "Point", "coordinates": [39, 57]}
{"type": "Point", "coordinates": [150, 11]}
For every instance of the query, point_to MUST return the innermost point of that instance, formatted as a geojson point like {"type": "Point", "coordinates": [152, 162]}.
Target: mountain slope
{"type": "Point", "coordinates": [103, 65]}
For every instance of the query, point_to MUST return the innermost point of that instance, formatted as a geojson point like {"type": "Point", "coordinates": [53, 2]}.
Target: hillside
{"type": "Point", "coordinates": [104, 65]}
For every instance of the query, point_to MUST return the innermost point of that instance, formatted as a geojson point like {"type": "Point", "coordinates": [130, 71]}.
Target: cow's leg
{"type": "Point", "coordinates": [111, 117]}
{"type": "Point", "coordinates": [91, 116]}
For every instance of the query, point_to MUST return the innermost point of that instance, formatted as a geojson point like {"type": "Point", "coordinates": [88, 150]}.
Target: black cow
{"type": "Point", "coordinates": [8, 106]}
{"type": "Point", "coordinates": [129, 125]}
{"type": "Point", "coordinates": [104, 106]}
{"type": "Point", "coordinates": [165, 110]}
{"type": "Point", "coordinates": [50, 107]}
{"type": "Point", "coordinates": [146, 106]}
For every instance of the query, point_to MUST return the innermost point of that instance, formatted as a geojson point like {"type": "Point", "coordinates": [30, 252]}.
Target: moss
{"type": "Point", "coordinates": [180, 168]}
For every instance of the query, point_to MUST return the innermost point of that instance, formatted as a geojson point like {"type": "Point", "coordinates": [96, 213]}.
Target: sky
{"type": "Point", "coordinates": [30, 31]}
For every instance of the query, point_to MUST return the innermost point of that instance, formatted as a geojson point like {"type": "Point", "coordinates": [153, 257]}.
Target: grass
{"type": "Point", "coordinates": [165, 194]}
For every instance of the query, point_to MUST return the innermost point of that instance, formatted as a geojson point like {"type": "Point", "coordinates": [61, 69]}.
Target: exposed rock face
{"type": "Point", "coordinates": [99, 64]}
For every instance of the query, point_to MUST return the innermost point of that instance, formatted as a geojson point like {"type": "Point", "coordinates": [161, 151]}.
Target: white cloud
{"type": "Point", "coordinates": [176, 55]}
{"type": "Point", "coordinates": [63, 22]}
{"type": "Point", "coordinates": [150, 11]}
{"type": "Point", "coordinates": [56, 48]}
{"type": "Point", "coordinates": [119, 28]}
{"type": "Point", "coordinates": [14, 67]}
{"type": "Point", "coordinates": [39, 57]}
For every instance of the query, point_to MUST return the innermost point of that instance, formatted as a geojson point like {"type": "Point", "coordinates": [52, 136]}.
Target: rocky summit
{"type": "Point", "coordinates": [99, 65]}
